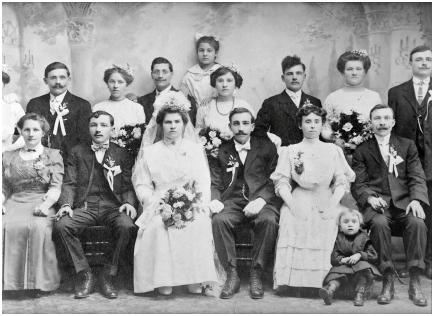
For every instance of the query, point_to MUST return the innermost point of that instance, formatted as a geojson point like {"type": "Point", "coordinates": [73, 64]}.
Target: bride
{"type": "Point", "coordinates": [169, 157]}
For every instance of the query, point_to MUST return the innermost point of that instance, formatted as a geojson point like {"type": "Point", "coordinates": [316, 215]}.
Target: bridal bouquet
{"type": "Point", "coordinates": [130, 137]}
{"type": "Point", "coordinates": [350, 129]}
{"type": "Point", "coordinates": [179, 206]}
{"type": "Point", "coordinates": [211, 139]}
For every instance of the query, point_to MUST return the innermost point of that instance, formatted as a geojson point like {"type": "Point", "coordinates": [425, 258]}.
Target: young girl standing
{"type": "Point", "coordinates": [196, 82]}
{"type": "Point", "coordinates": [353, 259]}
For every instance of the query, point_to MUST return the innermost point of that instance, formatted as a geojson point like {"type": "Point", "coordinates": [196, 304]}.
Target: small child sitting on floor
{"type": "Point", "coordinates": [353, 259]}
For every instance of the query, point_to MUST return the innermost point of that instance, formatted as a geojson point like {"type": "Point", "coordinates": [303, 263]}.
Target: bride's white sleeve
{"type": "Point", "coordinates": [203, 178]}
{"type": "Point", "coordinates": [142, 181]}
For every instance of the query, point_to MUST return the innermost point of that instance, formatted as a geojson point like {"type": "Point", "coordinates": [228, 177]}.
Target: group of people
{"type": "Point", "coordinates": [278, 170]}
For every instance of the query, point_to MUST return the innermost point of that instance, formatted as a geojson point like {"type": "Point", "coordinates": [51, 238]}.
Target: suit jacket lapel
{"type": "Point", "coordinates": [251, 155]}
{"type": "Point", "coordinates": [286, 103]}
{"type": "Point", "coordinates": [376, 153]}
{"type": "Point", "coordinates": [89, 160]}
{"type": "Point", "coordinates": [410, 95]}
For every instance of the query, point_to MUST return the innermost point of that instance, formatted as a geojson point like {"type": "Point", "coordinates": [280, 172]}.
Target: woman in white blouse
{"type": "Point", "coordinates": [124, 111]}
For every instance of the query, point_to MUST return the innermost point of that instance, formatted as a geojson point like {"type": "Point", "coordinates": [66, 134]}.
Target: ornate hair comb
{"type": "Point", "coordinates": [360, 52]}
{"type": "Point", "coordinates": [234, 68]}
{"type": "Point", "coordinates": [199, 35]}
{"type": "Point", "coordinates": [127, 69]}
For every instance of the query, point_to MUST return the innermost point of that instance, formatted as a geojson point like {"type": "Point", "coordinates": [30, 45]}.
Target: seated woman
{"type": "Point", "coordinates": [307, 227]}
{"type": "Point", "coordinates": [124, 111]}
{"type": "Point", "coordinates": [215, 113]}
{"type": "Point", "coordinates": [32, 180]}
{"type": "Point", "coordinates": [164, 255]}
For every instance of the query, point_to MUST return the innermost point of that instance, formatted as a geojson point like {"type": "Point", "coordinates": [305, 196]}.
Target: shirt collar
{"type": "Point", "coordinates": [39, 149]}
{"type": "Point", "coordinates": [197, 70]}
{"type": "Point", "coordinates": [105, 143]}
{"type": "Point", "coordinates": [59, 98]}
{"type": "Point", "coordinates": [293, 94]}
{"type": "Point", "coordinates": [167, 89]}
{"type": "Point", "coordinates": [425, 81]}
{"type": "Point", "coordinates": [382, 141]}
{"type": "Point", "coordinates": [239, 147]}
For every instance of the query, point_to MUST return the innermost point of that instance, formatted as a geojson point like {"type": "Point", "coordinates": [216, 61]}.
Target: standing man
{"type": "Point", "coordinates": [390, 190]}
{"type": "Point", "coordinates": [97, 190]}
{"type": "Point", "coordinates": [161, 73]}
{"type": "Point", "coordinates": [411, 102]}
{"type": "Point", "coordinates": [242, 191]}
{"type": "Point", "coordinates": [67, 114]}
{"type": "Point", "coordinates": [278, 113]}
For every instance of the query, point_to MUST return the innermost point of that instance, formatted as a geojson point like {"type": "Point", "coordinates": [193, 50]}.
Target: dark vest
{"type": "Point", "coordinates": [100, 189]}
{"type": "Point", "coordinates": [240, 187]}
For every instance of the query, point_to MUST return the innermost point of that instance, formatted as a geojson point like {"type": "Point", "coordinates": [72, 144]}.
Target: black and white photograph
{"type": "Point", "coordinates": [216, 157]}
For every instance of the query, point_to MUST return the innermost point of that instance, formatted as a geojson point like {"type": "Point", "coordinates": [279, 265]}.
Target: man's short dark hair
{"type": "Point", "coordinates": [161, 60]}
{"type": "Point", "coordinates": [379, 107]}
{"type": "Point", "coordinates": [241, 110]}
{"type": "Point", "coordinates": [418, 49]}
{"type": "Point", "coordinates": [291, 61]}
{"type": "Point", "coordinates": [97, 114]}
{"type": "Point", "coordinates": [55, 65]}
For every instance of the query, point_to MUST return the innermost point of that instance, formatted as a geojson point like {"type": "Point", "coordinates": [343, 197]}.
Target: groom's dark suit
{"type": "Point", "coordinates": [402, 99]}
{"type": "Point", "coordinates": [147, 101]}
{"type": "Point", "coordinates": [374, 179]}
{"type": "Point", "coordinates": [278, 116]}
{"type": "Point", "coordinates": [87, 190]}
{"type": "Point", "coordinates": [76, 121]}
{"type": "Point", "coordinates": [236, 184]}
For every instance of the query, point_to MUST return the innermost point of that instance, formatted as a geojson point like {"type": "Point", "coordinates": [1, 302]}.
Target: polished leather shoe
{"type": "Point", "coordinates": [359, 299]}
{"type": "Point", "coordinates": [326, 293]}
{"type": "Point", "coordinates": [256, 289]}
{"type": "Point", "coordinates": [415, 291]}
{"type": "Point", "coordinates": [388, 290]}
{"type": "Point", "coordinates": [428, 272]}
{"type": "Point", "coordinates": [84, 284]}
{"type": "Point", "coordinates": [403, 274]}
{"type": "Point", "coordinates": [232, 284]}
{"type": "Point", "coordinates": [107, 287]}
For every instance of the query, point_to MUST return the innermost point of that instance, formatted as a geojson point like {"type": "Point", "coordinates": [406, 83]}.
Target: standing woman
{"type": "Point", "coordinates": [308, 227]}
{"type": "Point", "coordinates": [124, 111]}
{"type": "Point", "coordinates": [354, 66]}
{"type": "Point", "coordinates": [215, 113]}
{"type": "Point", "coordinates": [196, 82]}
{"type": "Point", "coordinates": [11, 113]}
{"type": "Point", "coordinates": [32, 180]}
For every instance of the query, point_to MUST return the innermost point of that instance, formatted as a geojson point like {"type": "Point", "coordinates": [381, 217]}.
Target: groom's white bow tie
{"type": "Point", "coordinates": [240, 147]}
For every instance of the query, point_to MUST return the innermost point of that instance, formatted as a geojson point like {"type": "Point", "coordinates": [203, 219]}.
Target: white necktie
{"type": "Point", "coordinates": [420, 95]}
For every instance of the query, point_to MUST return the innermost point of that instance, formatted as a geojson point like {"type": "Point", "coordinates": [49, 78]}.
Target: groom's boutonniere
{"type": "Point", "coordinates": [232, 166]}
{"type": "Point", "coordinates": [394, 160]}
{"type": "Point", "coordinates": [298, 163]}
{"type": "Point", "coordinates": [113, 170]}
{"type": "Point", "coordinates": [63, 109]}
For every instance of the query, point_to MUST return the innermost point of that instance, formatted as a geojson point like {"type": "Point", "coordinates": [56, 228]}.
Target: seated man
{"type": "Point", "coordinates": [241, 190]}
{"type": "Point", "coordinates": [97, 190]}
{"type": "Point", "coordinates": [390, 189]}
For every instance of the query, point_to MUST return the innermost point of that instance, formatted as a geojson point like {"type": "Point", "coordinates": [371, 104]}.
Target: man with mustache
{"type": "Point", "coordinates": [390, 190]}
{"type": "Point", "coordinates": [277, 114]}
{"type": "Point", "coordinates": [67, 113]}
{"type": "Point", "coordinates": [242, 191]}
{"type": "Point", "coordinates": [411, 102]}
{"type": "Point", "coordinates": [97, 190]}
{"type": "Point", "coordinates": [161, 73]}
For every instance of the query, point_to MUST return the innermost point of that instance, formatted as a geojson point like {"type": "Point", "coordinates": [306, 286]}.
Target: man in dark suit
{"type": "Point", "coordinates": [411, 102]}
{"type": "Point", "coordinates": [67, 114]}
{"type": "Point", "coordinates": [390, 189]}
{"type": "Point", "coordinates": [241, 190]}
{"type": "Point", "coordinates": [277, 114]}
{"type": "Point", "coordinates": [97, 190]}
{"type": "Point", "coordinates": [162, 72]}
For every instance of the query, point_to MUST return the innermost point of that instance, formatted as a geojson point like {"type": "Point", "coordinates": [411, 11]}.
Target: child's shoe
{"type": "Point", "coordinates": [327, 292]}
{"type": "Point", "coordinates": [359, 299]}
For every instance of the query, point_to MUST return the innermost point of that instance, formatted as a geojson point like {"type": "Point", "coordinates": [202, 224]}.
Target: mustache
{"type": "Point", "coordinates": [241, 133]}
{"type": "Point", "coordinates": [58, 85]}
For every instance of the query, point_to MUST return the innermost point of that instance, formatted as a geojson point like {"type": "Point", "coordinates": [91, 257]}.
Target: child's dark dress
{"type": "Point", "coordinates": [346, 246]}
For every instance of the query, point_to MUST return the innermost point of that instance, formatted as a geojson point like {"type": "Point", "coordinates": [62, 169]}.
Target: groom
{"type": "Point", "coordinates": [67, 113]}
{"type": "Point", "coordinates": [391, 191]}
{"type": "Point", "coordinates": [97, 190]}
{"type": "Point", "coordinates": [242, 191]}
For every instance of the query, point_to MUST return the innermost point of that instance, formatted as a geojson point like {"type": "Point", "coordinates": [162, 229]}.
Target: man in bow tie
{"type": "Point", "coordinates": [97, 190]}
{"type": "Point", "coordinates": [161, 73]}
{"type": "Point", "coordinates": [242, 191]}
{"type": "Point", "coordinates": [67, 113]}
{"type": "Point", "coordinates": [391, 192]}
{"type": "Point", "coordinates": [278, 113]}
{"type": "Point", "coordinates": [411, 102]}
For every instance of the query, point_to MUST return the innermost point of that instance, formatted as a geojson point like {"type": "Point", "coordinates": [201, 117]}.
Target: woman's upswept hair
{"type": "Point", "coordinates": [45, 126]}
{"type": "Point", "coordinates": [308, 109]}
{"type": "Point", "coordinates": [353, 55]}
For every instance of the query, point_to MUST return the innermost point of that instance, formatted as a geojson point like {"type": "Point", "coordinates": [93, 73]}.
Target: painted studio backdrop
{"type": "Point", "coordinates": [90, 37]}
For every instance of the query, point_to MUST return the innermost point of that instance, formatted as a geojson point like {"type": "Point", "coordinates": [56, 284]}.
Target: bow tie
{"type": "Point", "coordinates": [239, 147]}
{"type": "Point", "coordinates": [30, 150]}
{"type": "Point", "coordinates": [98, 147]}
